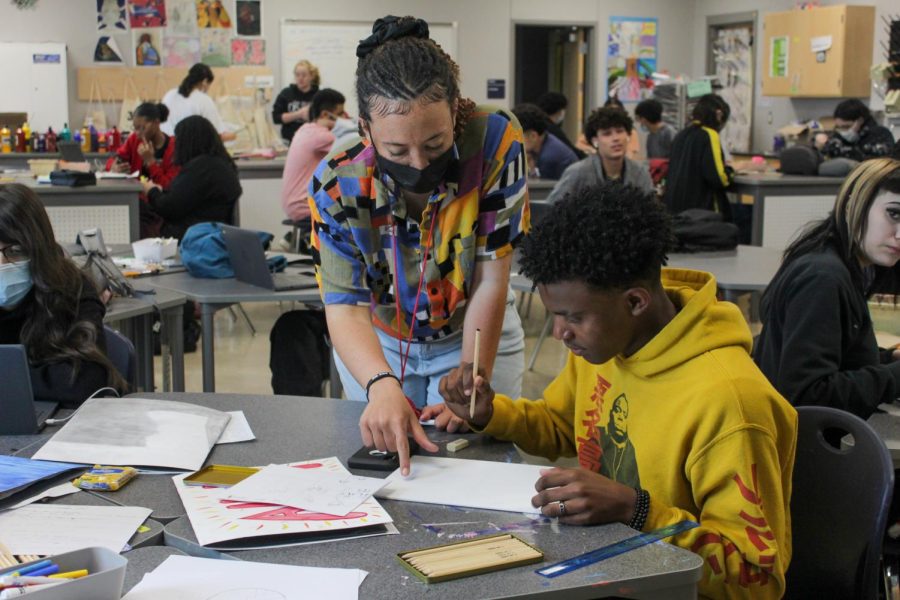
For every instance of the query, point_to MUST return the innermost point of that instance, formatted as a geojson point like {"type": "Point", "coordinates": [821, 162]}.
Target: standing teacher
{"type": "Point", "coordinates": [429, 203]}
{"type": "Point", "coordinates": [291, 107]}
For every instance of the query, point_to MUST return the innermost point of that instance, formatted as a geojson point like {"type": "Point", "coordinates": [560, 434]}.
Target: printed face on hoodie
{"type": "Point", "coordinates": [594, 324]}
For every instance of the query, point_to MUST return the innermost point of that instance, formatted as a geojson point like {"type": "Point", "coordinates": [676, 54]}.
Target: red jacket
{"type": "Point", "coordinates": [161, 172]}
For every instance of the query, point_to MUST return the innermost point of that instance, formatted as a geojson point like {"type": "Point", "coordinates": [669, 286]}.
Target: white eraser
{"type": "Point", "coordinates": [457, 445]}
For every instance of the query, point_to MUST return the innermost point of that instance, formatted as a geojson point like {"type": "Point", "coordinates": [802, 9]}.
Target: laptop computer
{"type": "Point", "coordinates": [249, 262]}
{"type": "Point", "coordinates": [71, 152]}
{"type": "Point", "coordinates": [22, 414]}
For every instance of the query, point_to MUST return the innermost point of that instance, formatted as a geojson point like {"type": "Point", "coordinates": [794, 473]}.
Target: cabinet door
{"type": "Point", "coordinates": [821, 73]}
{"type": "Point", "coordinates": [782, 33]}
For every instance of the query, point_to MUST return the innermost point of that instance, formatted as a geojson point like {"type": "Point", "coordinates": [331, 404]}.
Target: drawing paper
{"type": "Point", "coordinates": [237, 430]}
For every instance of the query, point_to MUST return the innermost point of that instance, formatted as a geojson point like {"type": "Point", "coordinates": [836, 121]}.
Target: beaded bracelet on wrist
{"type": "Point", "coordinates": [641, 509]}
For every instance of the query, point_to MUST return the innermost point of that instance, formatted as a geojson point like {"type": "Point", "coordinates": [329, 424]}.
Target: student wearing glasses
{"type": "Point", "coordinates": [49, 306]}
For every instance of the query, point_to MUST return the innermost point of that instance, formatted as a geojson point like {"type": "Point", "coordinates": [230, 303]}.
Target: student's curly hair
{"type": "Point", "coordinates": [610, 236]}
{"type": "Point", "coordinates": [531, 118]}
{"type": "Point", "coordinates": [607, 117]}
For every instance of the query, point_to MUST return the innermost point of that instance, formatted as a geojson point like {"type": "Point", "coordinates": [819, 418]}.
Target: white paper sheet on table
{"type": "Point", "coordinates": [469, 483]}
{"type": "Point", "coordinates": [189, 578]}
{"type": "Point", "coordinates": [57, 528]}
{"type": "Point", "coordinates": [318, 490]}
{"type": "Point", "coordinates": [237, 430]}
{"type": "Point", "coordinates": [137, 432]}
{"type": "Point", "coordinates": [57, 491]}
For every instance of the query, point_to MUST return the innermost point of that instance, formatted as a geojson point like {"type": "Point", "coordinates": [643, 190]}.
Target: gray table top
{"type": "Point", "coordinates": [121, 308]}
{"type": "Point", "coordinates": [778, 179]}
{"type": "Point", "coordinates": [226, 291]}
{"type": "Point", "coordinates": [104, 186]}
{"type": "Point", "coordinates": [887, 426]}
{"type": "Point", "coordinates": [143, 560]}
{"type": "Point", "coordinates": [260, 164]}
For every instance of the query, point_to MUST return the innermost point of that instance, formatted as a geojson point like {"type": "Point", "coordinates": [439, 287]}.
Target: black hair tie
{"type": "Point", "coordinates": [391, 28]}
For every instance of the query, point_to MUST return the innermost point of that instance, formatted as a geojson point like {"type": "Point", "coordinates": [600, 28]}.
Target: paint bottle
{"type": "Point", "coordinates": [42, 142]}
{"type": "Point", "coordinates": [51, 140]}
{"type": "Point", "coordinates": [5, 140]}
{"type": "Point", "coordinates": [20, 141]}
{"type": "Point", "coordinates": [65, 134]}
{"type": "Point", "coordinates": [26, 129]}
{"type": "Point", "coordinates": [34, 144]}
{"type": "Point", "coordinates": [101, 143]}
{"type": "Point", "coordinates": [113, 139]}
{"type": "Point", "coordinates": [85, 139]}
{"type": "Point", "coordinates": [95, 141]}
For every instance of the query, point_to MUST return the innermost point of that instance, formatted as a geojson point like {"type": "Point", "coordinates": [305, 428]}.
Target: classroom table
{"type": "Point", "coordinates": [215, 294]}
{"type": "Point", "coordinates": [887, 426]}
{"type": "Point", "coordinates": [783, 204]}
{"type": "Point", "coordinates": [292, 429]}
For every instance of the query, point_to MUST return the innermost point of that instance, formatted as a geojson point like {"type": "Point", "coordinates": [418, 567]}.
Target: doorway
{"type": "Point", "coordinates": [554, 58]}
{"type": "Point", "coordinates": [731, 57]}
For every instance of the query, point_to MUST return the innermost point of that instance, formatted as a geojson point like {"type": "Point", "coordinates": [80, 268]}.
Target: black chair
{"type": "Point", "coordinates": [121, 354]}
{"type": "Point", "coordinates": [300, 231]}
{"type": "Point", "coordinates": [839, 506]}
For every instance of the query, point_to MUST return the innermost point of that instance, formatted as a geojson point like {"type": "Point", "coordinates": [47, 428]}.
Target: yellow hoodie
{"type": "Point", "coordinates": [691, 419]}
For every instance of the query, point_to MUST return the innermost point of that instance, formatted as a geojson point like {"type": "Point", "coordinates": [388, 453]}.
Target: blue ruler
{"type": "Point", "coordinates": [595, 556]}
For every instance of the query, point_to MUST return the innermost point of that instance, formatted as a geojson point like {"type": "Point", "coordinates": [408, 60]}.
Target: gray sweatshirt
{"type": "Point", "coordinates": [589, 172]}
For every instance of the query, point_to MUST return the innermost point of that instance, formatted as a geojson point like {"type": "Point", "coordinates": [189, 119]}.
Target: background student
{"type": "Point", "coordinates": [49, 306]}
{"type": "Point", "coordinates": [634, 145]}
{"type": "Point", "coordinates": [548, 157]}
{"type": "Point", "coordinates": [147, 149]}
{"type": "Point", "coordinates": [659, 133]}
{"type": "Point", "coordinates": [608, 129]}
{"type": "Point", "coordinates": [291, 107]}
{"type": "Point", "coordinates": [554, 104]}
{"type": "Point", "coordinates": [856, 134]}
{"type": "Point", "coordinates": [205, 189]}
{"type": "Point", "coordinates": [414, 230]}
{"type": "Point", "coordinates": [190, 98]}
{"type": "Point", "coordinates": [310, 145]}
{"type": "Point", "coordinates": [817, 344]}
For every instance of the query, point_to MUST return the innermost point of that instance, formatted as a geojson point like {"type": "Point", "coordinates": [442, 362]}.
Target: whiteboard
{"type": "Point", "coordinates": [331, 46]}
{"type": "Point", "coordinates": [35, 81]}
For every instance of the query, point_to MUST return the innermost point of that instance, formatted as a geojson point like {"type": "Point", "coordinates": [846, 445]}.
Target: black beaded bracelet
{"type": "Point", "coordinates": [378, 377]}
{"type": "Point", "coordinates": [641, 509]}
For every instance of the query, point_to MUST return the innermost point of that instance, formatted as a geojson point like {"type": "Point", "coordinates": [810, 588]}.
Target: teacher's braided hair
{"type": "Point", "coordinates": [400, 64]}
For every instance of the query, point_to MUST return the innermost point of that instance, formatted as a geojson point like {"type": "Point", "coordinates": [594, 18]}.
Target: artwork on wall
{"type": "Point", "coordinates": [107, 51]}
{"type": "Point", "coordinates": [248, 52]}
{"type": "Point", "coordinates": [631, 53]}
{"type": "Point", "coordinates": [180, 51]}
{"type": "Point", "coordinates": [181, 16]}
{"type": "Point", "coordinates": [147, 47]}
{"type": "Point", "coordinates": [248, 18]}
{"type": "Point", "coordinates": [215, 47]}
{"type": "Point", "coordinates": [147, 13]}
{"type": "Point", "coordinates": [732, 48]}
{"type": "Point", "coordinates": [111, 14]}
{"type": "Point", "coordinates": [212, 14]}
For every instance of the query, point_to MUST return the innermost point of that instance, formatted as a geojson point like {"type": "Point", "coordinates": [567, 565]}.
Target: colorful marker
{"type": "Point", "coordinates": [31, 568]}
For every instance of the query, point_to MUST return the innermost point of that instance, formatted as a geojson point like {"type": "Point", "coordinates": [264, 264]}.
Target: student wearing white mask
{"type": "Point", "coordinates": [49, 306]}
{"type": "Point", "coordinates": [856, 134]}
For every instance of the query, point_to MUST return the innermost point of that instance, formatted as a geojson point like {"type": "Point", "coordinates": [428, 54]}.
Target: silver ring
{"type": "Point", "coordinates": [562, 508]}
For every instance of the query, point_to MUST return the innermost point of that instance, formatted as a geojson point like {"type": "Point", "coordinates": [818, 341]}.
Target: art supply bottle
{"type": "Point", "coordinates": [95, 142]}
{"type": "Point", "coordinates": [65, 134]}
{"type": "Point", "coordinates": [77, 138]}
{"type": "Point", "coordinates": [20, 141]}
{"type": "Point", "coordinates": [101, 143]}
{"type": "Point", "coordinates": [42, 142]}
{"type": "Point", "coordinates": [34, 144]}
{"type": "Point", "coordinates": [6, 144]}
{"type": "Point", "coordinates": [113, 139]}
{"type": "Point", "coordinates": [51, 140]}
{"type": "Point", "coordinates": [85, 139]}
{"type": "Point", "coordinates": [26, 129]}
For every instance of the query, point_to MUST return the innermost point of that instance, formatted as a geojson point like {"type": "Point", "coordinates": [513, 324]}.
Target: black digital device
{"type": "Point", "coordinates": [374, 459]}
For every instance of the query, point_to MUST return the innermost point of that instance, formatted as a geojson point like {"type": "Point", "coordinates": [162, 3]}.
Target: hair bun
{"type": "Point", "coordinates": [391, 28]}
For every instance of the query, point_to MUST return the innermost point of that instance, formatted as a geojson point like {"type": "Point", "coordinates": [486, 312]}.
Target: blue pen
{"type": "Point", "coordinates": [45, 571]}
{"type": "Point", "coordinates": [31, 568]}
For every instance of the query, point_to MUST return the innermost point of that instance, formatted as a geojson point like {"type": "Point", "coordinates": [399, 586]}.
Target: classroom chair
{"type": "Point", "coordinates": [299, 233]}
{"type": "Point", "coordinates": [839, 506]}
{"type": "Point", "coordinates": [121, 354]}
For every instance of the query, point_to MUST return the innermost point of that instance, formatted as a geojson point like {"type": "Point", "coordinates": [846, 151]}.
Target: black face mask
{"type": "Point", "coordinates": [417, 181]}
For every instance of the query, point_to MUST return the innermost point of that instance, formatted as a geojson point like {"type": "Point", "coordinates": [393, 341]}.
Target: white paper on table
{"type": "Point", "coordinates": [237, 430]}
{"type": "Point", "coordinates": [57, 491]}
{"type": "Point", "coordinates": [217, 520]}
{"type": "Point", "coordinates": [137, 432]}
{"type": "Point", "coordinates": [469, 483]}
{"type": "Point", "coordinates": [58, 528]}
{"type": "Point", "coordinates": [112, 175]}
{"type": "Point", "coordinates": [190, 578]}
{"type": "Point", "coordinates": [318, 490]}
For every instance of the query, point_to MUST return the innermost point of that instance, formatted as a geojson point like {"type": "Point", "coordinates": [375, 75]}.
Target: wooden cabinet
{"type": "Point", "coordinates": [823, 52]}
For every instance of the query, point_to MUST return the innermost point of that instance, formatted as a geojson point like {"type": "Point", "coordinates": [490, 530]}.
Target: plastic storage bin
{"type": "Point", "coordinates": [104, 581]}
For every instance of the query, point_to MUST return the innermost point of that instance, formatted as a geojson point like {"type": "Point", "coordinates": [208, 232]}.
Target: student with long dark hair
{"type": "Point", "coordinates": [413, 234]}
{"type": "Point", "coordinates": [148, 149]}
{"type": "Point", "coordinates": [49, 306]}
{"type": "Point", "coordinates": [207, 186]}
{"type": "Point", "coordinates": [817, 344]}
{"type": "Point", "coordinates": [191, 98]}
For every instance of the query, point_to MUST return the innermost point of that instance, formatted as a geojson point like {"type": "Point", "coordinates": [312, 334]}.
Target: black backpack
{"type": "Point", "coordinates": [800, 160]}
{"type": "Point", "coordinates": [698, 230]}
{"type": "Point", "coordinates": [300, 359]}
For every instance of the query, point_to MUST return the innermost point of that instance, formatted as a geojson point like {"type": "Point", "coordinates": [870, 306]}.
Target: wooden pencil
{"type": "Point", "coordinates": [6, 557]}
{"type": "Point", "coordinates": [474, 373]}
{"type": "Point", "coordinates": [480, 562]}
{"type": "Point", "coordinates": [463, 552]}
{"type": "Point", "coordinates": [455, 546]}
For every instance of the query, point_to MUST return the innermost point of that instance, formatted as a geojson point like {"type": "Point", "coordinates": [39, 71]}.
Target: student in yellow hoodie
{"type": "Point", "coordinates": [659, 400]}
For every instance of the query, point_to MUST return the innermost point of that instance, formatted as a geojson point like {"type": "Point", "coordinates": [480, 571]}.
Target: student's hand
{"type": "Point", "coordinates": [120, 166]}
{"type": "Point", "coordinates": [105, 296]}
{"type": "Point", "coordinates": [145, 149]}
{"type": "Point", "coordinates": [896, 353]}
{"type": "Point", "coordinates": [444, 419]}
{"type": "Point", "coordinates": [388, 420]}
{"type": "Point", "coordinates": [820, 140]}
{"type": "Point", "coordinates": [456, 389]}
{"type": "Point", "coordinates": [589, 498]}
{"type": "Point", "coordinates": [303, 113]}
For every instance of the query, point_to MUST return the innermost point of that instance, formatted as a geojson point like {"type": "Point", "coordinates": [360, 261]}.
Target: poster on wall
{"type": "Point", "coordinates": [778, 53]}
{"type": "Point", "coordinates": [147, 47]}
{"type": "Point", "coordinates": [248, 18]}
{"type": "Point", "coordinates": [181, 17]}
{"type": "Point", "coordinates": [180, 51]}
{"type": "Point", "coordinates": [215, 47]}
{"type": "Point", "coordinates": [248, 52]}
{"type": "Point", "coordinates": [147, 13]}
{"type": "Point", "coordinates": [212, 14]}
{"type": "Point", "coordinates": [631, 53]}
{"type": "Point", "coordinates": [111, 14]}
{"type": "Point", "coordinates": [107, 51]}
{"type": "Point", "coordinates": [732, 48]}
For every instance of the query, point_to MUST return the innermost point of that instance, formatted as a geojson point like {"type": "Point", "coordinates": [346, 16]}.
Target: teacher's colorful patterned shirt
{"type": "Point", "coordinates": [482, 213]}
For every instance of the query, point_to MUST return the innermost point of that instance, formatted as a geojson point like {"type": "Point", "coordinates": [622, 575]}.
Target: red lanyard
{"type": "Point", "coordinates": [404, 356]}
